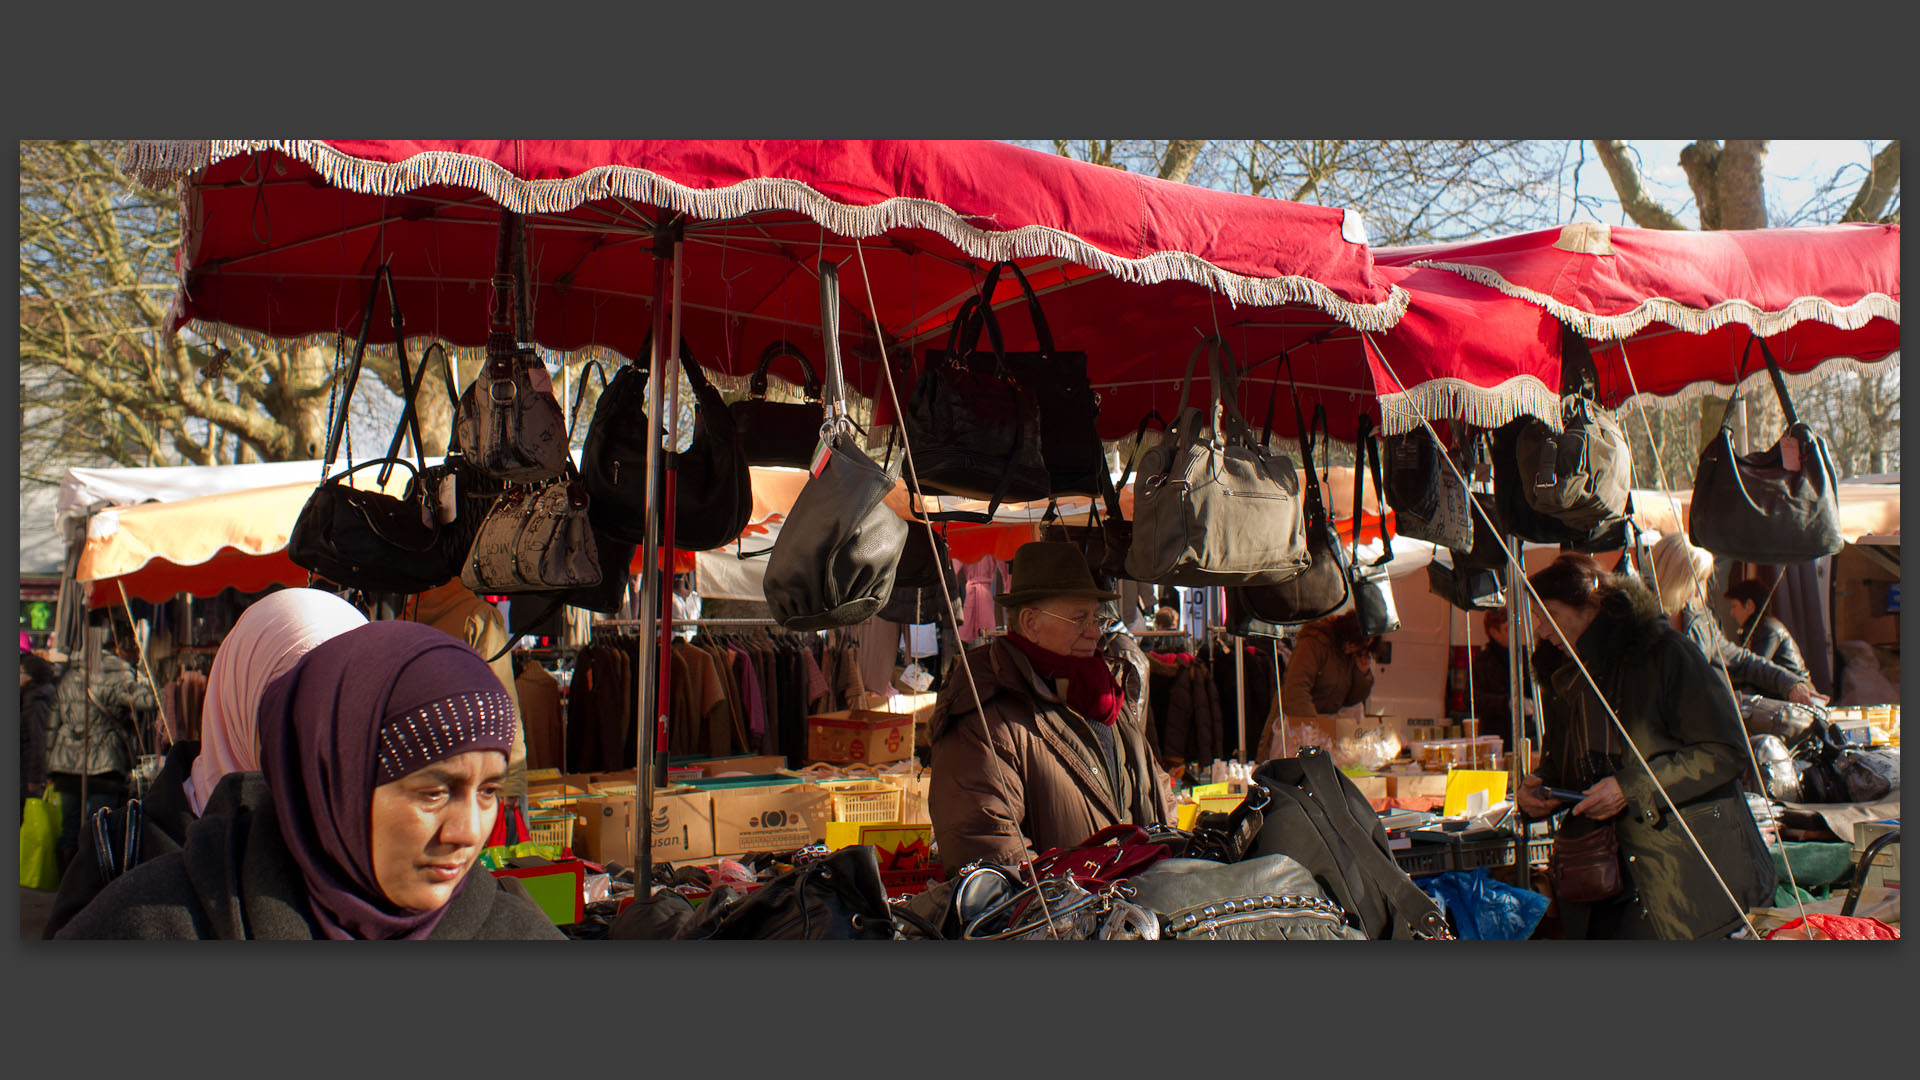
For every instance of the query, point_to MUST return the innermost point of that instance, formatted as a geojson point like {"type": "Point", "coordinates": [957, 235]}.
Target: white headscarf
{"type": "Point", "coordinates": [264, 644]}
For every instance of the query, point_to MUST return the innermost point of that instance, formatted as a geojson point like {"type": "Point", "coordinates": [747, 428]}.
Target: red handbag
{"type": "Point", "coordinates": [1113, 853]}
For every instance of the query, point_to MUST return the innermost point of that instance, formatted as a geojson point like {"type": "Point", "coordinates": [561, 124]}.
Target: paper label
{"type": "Point", "coordinates": [820, 455]}
{"type": "Point", "coordinates": [539, 380]}
{"type": "Point", "coordinates": [1790, 453]}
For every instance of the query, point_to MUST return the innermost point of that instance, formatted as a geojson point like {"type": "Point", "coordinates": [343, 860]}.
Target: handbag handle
{"type": "Point", "coordinates": [339, 429]}
{"type": "Point", "coordinates": [835, 389]}
{"type": "Point", "coordinates": [1773, 371]}
{"type": "Point", "coordinates": [1042, 333]}
{"type": "Point", "coordinates": [409, 414]}
{"type": "Point", "coordinates": [1113, 504]}
{"type": "Point", "coordinates": [757, 385]}
{"type": "Point", "coordinates": [580, 395]}
{"type": "Point", "coordinates": [1365, 444]}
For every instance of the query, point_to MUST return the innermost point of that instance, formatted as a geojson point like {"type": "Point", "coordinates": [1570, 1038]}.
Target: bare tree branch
{"type": "Point", "coordinates": [1178, 163]}
{"type": "Point", "coordinates": [1645, 211]}
{"type": "Point", "coordinates": [1883, 179]}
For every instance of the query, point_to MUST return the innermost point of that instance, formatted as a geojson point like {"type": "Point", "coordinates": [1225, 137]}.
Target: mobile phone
{"type": "Point", "coordinates": [1571, 798]}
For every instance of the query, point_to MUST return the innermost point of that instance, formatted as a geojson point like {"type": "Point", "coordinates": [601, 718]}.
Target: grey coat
{"type": "Point", "coordinates": [92, 737]}
{"type": "Point", "coordinates": [235, 879]}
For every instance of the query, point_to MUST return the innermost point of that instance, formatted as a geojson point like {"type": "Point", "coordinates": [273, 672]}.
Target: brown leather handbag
{"type": "Point", "coordinates": [1586, 868]}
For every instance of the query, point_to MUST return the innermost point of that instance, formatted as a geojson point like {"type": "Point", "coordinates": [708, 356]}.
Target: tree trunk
{"type": "Point", "coordinates": [1627, 184]}
{"type": "Point", "coordinates": [1701, 160]}
{"type": "Point", "coordinates": [1181, 154]}
{"type": "Point", "coordinates": [1743, 201]}
{"type": "Point", "coordinates": [1883, 177]}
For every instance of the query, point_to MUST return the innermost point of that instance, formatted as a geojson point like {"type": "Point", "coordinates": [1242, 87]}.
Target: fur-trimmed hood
{"type": "Point", "coordinates": [1629, 624]}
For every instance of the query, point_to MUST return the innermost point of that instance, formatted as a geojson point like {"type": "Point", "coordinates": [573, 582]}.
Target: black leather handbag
{"type": "Point", "coordinates": [1429, 500]}
{"type": "Point", "coordinates": [837, 898]}
{"type": "Point", "coordinates": [1566, 488]}
{"type": "Point", "coordinates": [778, 432]}
{"type": "Point", "coordinates": [1780, 506]}
{"type": "Point", "coordinates": [917, 597]}
{"type": "Point", "coordinates": [1469, 588]}
{"type": "Point", "coordinates": [1488, 551]}
{"type": "Point", "coordinates": [1070, 443]}
{"type": "Point", "coordinates": [1372, 590]}
{"type": "Point", "coordinates": [364, 538]}
{"type": "Point", "coordinates": [840, 545]}
{"type": "Point", "coordinates": [974, 429]}
{"type": "Point", "coordinates": [1105, 538]}
{"type": "Point", "coordinates": [713, 491]}
{"type": "Point", "coordinates": [1323, 587]}
{"type": "Point", "coordinates": [1319, 818]}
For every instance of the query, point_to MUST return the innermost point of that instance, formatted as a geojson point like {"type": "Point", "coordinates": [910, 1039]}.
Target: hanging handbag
{"type": "Point", "coordinates": [917, 597]}
{"type": "Point", "coordinates": [713, 488]}
{"type": "Point", "coordinates": [1468, 588]}
{"type": "Point", "coordinates": [365, 538]}
{"type": "Point", "coordinates": [1372, 589]}
{"type": "Point", "coordinates": [1271, 898]}
{"type": "Point", "coordinates": [1070, 445]}
{"type": "Point", "coordinates": [1586, 866]}
{"type": "Point", "coordinates": [1429, 499]}
{"type": "Point", "coordinates": [1106, 537]}
{"type": "Point", "coordinates": [508, 422]}
{"type": "Point", "coordinates": [777, 432]}
{"type": "Point", "coordinates": [1488, 550]}
{"type": "Point", "coordinates": [534, 540]}
{"type": "Point", "coordinates": [1212, 508]}
{"type": "Point", "coordinates": [975, 431]}
{"type": "Point", "coordinates": [840, 546]}
{"type": "Point", "coordinates": [1322, 588]}
{"type": "Point", "coordinates": [1780, 506]}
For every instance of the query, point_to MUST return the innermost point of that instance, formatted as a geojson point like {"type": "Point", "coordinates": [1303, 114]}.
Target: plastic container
{"type": "Point", "coordinates": [864, 800]}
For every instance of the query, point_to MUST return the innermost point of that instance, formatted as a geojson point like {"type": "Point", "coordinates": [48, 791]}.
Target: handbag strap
{"type": "Point", "coordinates": [984, 315]}
{"type": "Point", "coordinates": [580, 395]}
{"type": "Point", "coordinates": [1773, 372]}
{"type": "Point", "coordinates": [1316, 505]}
{"type": "Point", "coordinates": [380, 275]}
{"type": "Point", "coordinates": [1365, 444]}
{"type": "Point", "coordinates": [834, 396]}
{"type": "Point", "coordinates": [409, 414]}
{"type": "Point", "coordinates": [757, 385]}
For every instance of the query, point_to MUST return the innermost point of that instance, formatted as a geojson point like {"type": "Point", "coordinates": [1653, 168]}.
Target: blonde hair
{"type": "Point", "coordinates": [1683, 572]}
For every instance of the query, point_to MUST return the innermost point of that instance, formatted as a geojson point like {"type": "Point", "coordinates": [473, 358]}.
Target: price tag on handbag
{"type": "Point", "coordinates": [916, 677]}
{"type": "Point", "coordinates": [821, 452]}
{"type": "Point", "coordinates": [1790, 453]}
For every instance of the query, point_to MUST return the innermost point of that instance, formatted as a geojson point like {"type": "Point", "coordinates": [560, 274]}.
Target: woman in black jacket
{"type": "Point", "coordinates": [267, 640]}
{"type": "Point", "coordinates": [1684, 573]}
{"type": "Point", "coordinates": [382, 754]}
{"type": "Point", "coordinates": [1683, 721]}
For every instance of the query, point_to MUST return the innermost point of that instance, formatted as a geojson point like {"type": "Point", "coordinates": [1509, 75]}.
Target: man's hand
{"type": "Point", "coordinates": [1604, 800]}
{"type": "Point", "coordinates": [1804, 694]}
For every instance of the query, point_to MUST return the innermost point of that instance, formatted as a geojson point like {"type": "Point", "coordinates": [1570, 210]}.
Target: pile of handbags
{"type": "Point", "coordinates": [1803, 758]}
{"type": "Point", "coordinates": [1302, 858]}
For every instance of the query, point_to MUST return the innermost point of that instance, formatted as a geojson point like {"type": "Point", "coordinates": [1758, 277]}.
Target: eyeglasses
{"type": "Point", "coordinates": [1085, 622]}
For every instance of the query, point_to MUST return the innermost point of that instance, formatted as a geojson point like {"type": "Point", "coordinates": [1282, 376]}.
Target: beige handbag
{"type": "Point", "coordinates": [535, 539]}
{"type": "Point", "coordinates": [1212, 506]}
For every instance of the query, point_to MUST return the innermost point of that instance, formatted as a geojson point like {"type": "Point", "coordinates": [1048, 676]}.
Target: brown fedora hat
{"type": "Point", "coordinates": [1051, 568]}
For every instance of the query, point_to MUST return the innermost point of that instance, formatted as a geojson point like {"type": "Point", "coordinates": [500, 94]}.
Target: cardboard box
{"type": "Point", "coordinates": [749, 764]}
{"type": "Point", "coordinates": [769, 817]}
{"type": "Point", "coordinates": [682, 828]}
{"type": "Point", "coordinates": [1373, 787]}
{"type": "Point", "coordinates": [1401, 785]}
{"type": "Point", "coordinates": [860, 736]}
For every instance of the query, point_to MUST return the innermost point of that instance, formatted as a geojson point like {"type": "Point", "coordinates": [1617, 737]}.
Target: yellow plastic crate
{"type": "Point", "coordinates": [864, 800]}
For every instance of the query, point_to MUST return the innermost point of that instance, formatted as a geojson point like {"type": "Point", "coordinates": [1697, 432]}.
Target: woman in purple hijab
{"type": "Point", "coordinates": [382, 755]}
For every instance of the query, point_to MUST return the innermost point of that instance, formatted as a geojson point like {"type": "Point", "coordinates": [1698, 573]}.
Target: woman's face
{"type": "Point", "coordinates": [1571, 623]}
{"type": "Point", "coordinates": [429, 826]}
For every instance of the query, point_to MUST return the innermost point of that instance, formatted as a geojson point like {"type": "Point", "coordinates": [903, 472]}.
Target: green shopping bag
{"type": "Point", "coordinates": [39, 841]}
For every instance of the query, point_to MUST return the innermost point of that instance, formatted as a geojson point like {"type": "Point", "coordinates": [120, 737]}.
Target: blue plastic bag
{"type": "Point", "coordinates": [1483, 909]}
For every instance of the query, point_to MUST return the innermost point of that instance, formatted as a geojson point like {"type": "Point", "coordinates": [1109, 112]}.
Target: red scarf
{"type": "Point", "coordinates": [1092, 691]}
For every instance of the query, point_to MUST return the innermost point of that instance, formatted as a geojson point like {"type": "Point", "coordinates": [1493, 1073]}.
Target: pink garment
{"type": "Point", "coordinates": [817, 687]}
{"type": "Point", "coordinates": [265, 642]}
{"type": "Point", "coordinates": [976, 609]}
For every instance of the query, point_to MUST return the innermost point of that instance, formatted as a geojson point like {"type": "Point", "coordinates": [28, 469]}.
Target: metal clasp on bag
{"type": "Point", "coordinates": [493, 391]}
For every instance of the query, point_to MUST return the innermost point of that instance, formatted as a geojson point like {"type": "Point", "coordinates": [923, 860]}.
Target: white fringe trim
{"type": "Point", "coordinates": [1672, 313]}
{"type": "Point", "coordinates": [1758, 381]}
{"type": "Point", "coordinates": [1457, 399]}
{"type": "Point", "coordinates": [162, 164]}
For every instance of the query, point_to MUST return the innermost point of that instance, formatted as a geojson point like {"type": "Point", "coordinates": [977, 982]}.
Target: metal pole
{"type": "Point", "coordinates": [1517, 612]}
{"type": "Point", "coordinates": [648, 720]}
{"type": "Point", "coordinates": [671, 485]}
{"type": "Point", "coordinates": [1240, 680]}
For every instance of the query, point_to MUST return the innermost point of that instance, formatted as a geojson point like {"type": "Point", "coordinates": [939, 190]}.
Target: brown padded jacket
{"type": "Point", "coordinates": [1029, 775]}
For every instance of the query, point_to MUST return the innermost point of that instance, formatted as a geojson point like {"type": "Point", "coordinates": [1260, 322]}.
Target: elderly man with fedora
{"type": "Point", "coordinates": [1048, 746]}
